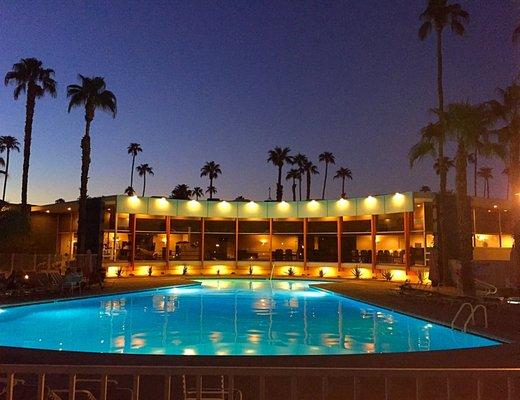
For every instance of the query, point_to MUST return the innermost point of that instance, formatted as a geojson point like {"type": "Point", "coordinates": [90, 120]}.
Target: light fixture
{"type": "Point", "coordinates": [47, 211]}
{"type": "Point", "coordinates": [68, 209]}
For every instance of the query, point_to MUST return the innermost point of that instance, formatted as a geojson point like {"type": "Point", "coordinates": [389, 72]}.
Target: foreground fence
{"type": "Point", "coordinates": [256, 383]}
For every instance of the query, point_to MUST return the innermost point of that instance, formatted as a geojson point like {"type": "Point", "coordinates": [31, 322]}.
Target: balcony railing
{"type": "Point", "coordinates": [257, 383]}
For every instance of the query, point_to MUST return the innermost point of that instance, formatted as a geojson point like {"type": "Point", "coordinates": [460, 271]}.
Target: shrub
{"type": "Point", "coordinates": [387, 275]}
{"type": "Point", "coordinates": [119, 272]}
{"type": "Point", "coordinates": [218, 271]}
{"type": "Point", "coordinates": [291, 271]}
{"type": "Point", "coordinates": [357, 272]}
{"type": "Point", "coordinates": [250, 270]}
{"type": "Point", "coordinates": [150, 271]}
{"type": "Point", "coordinates": [185, 270]}
{"type": "Point", "coordinates": [321, 273]}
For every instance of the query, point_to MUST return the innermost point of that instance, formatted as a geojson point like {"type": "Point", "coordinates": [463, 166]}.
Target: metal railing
{"type": "Point", "coordinates": [297, 380]}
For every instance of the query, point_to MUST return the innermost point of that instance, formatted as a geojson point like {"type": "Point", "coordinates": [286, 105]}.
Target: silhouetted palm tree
{"type": "Point", "coordinates": [293, 174]}
{"type": "Point", "coordinates": [130, 191]}
{"type": "Point", "coordinates": [143, 170]}
{"type": "Point", "coordinates": [328, 158]}
{"type": "Point", "coordinates": [310, 169]}
{"type": "Point", "coordinates": [212, 170]}
{"type": "Point", "coordinates": [198, 192]}
{"type": "Point", "coordinates": [343, 174]}
{"type": "Point", "coordinates": [278, 157]}
{"type": "Point", "coordinates": [211, 190]}
{"type": "Point", "coordinates": [181, 192]}
{"type": "Point", "coordinates": [29, 76]}
{"type": "Point", "coordinates": [93, 95]}
{"type": "Point", "coordinates": [516, 34]}
{"type": "Point", "coordinates": [133, 149]}
{"type": "Point", "coordinates": [299, 160]}
{"type": "Point", "coordinates": [486, 173]}
{"type": "Point", "coordinates": [447, 165]}
{"type": "Point", "coordinates": [466, 124]}
{"type": "Point", "coordinates": [8, 144]}
{"type": "Point", "coordinates": [425, 189]}
{"type": "Point", "coordinates": [437, 16]}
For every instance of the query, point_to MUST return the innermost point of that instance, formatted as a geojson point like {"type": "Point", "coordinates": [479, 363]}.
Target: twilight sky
{"type": "Point", "coordinates": [228, 80]}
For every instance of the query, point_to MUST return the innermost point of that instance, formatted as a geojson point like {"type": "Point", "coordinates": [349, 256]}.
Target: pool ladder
{"type": "Point", "coordinates": [471, 315]}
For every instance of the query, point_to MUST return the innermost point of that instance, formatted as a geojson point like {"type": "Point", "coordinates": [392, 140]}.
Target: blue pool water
{"type": "Point", "coordinates": [225, 317]}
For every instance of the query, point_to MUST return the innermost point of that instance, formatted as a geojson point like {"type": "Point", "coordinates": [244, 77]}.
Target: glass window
{"type": "Point", "coordinates": [356, 248]}
{"type": "Point", "coordinates": [150, 224]}
{"type": "Point", "coordinates": [150, 246]}
{"type": "Point", "coordinates": [219, 240]}
{"type": "Point", "coordinates": [253, 240]}
{"type": "Point", "coordinates": [185, 246]}
{"type": "Point", "coordinates": [287, 240]}
{"type": "Point", "coordinates": [390, 222]}
{"type": "Point", "coordinates": [322, 241]}
{"type": "Point", "coordinates": [357, 224]}
{"type": "Point", "coordinates": [219, 226]}
{"type": "Point", "coordinates": [390, 248]}
{"type": "Point", "coordinates": [486, 220]}
{"type": "Point", "coordinates": [185, 225]}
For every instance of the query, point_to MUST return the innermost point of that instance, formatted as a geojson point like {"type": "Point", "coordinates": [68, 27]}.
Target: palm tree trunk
{"type": "Point", "coordinates": [279, 187]}
{"type": "Point", "coordinates": [308, 197]}
{"type": "Point", "coordinates": [300, 186]}
{"type": "Point", "coordinates": [294, 189]}
{"type": "Point", "coordinates": [514, 182]}
{"type": "Point", "coordinates": [343, 195]}
{"type": "Point", "coordinates": [132, 172]}
{"type": "Point", "coordinates": [444, 276]}
{"type": "Point", "coordinates": [29, 116]}
{"type": "Point", "coordinates": [484, 189]}
{"type": "Point", "coordinates": [85, 165]}
{"type": "Point", "coordinates": [210, 188]}
{"type": "Point", "coordinates": [6, 172]}
{"type": "Point", "coordinates": [325, 180]}
{"type": "Point", "coordinates": [464, 221]}
{"type": "Point", "coordinates": [475, 174]}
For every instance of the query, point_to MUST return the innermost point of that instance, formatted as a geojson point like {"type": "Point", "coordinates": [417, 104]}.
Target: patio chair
{"type": "Point", "coordinates": [288, 255]}
{"type": "Point", "coordinates": [72, 281]}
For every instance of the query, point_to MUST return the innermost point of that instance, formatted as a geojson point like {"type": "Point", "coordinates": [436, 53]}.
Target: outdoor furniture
{"type": "Point", "coordinates": [72, 281]}
{"type": "Point", "coordinates": [288, 255]}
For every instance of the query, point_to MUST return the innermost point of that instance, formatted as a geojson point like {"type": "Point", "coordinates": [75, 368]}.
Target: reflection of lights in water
{"type": "Point", "coordinates": [369, 347]}
{"type": "Point", "coordinates": [328, 340]}
{"type": "Point", "coordinates": [112, 307]}
{"type": "Point", "coordinates": [189, 352]}
{"type": "Point", "coordinates": [215, 337]}
{"type": "Point", "coordinates": [293, 302]}
{"type": "Point", "coordinates": [222, 352]}
{"type": "Point", "coordinates": [119, 341]}
{"type": "Point", "coordinates": [347, 343]}
{"type": "Point", "coordinates": [250, 351]}
{"type": "Point", "coordinates": [254, 338]}
{"type": "Point", "coordinates": [138, 342]}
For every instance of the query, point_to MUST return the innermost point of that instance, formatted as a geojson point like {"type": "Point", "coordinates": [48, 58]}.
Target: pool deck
{"type": "Point", "coordinates": [504, 322]}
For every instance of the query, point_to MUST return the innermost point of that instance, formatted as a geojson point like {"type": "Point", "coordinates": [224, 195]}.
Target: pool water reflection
{"type": "Point", "coordinates": [225, 317]}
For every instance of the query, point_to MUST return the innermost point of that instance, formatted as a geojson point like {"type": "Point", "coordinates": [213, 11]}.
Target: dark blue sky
{"type": "Point", "coordinates": [228, 80]}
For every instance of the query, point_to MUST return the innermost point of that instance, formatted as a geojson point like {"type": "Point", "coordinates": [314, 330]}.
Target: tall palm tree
{"type": "Point", "coordinates": [294, 174]}
{"type": "Point", "coordinates": [328, 158]}
{"type": "Point", "coordinates": [343, 173]}
{"type": "Point", "coordinates": [505, 172]}
{"type": "Point", "coordinates": [211, 190]}
{"type": "Point", "coordinates": [447, 164]}
{"type": "Point", "coordinates": [486, 173]}
{"type": "Point", "coordinates": [212, 170]}
{"type": "Point", "coordinates": [143, 170]}
{"type": "Point", "coordinates": [278, 157]}
{"type": "Point", "coordinates": [133, 149]}
{"type": "Point", "coordinates": [310, 169]}
{"type": "Point", "coordinates": [8, 144]}
{"type": "Point", "coordinates": [437, 16]}
{"type": "Point", "coordinates": [91, 94]}
{"type": "Point", "coordinates": [300, 160]}
{"type": "Point", "coordinates": [182, 192]}
{"type": "Point", "coordinates": [198, 192]}
{"type": "Point", "coordinates": [466, 124]}
{"type": "Point", "coordinates": [29, 76]}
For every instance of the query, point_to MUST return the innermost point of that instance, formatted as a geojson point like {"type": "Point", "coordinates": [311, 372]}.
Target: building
{"type": "Point", "coordinates": [330, 238]}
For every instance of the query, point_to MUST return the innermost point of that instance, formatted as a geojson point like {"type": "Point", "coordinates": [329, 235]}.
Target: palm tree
{"type": "Point", "coordinates": [143, 170]}
{"type": "Point", "coordinates": [466, 124]}
{"type": "Point", "coordinates": [130, 191]}
{"type": "Point", "coordinates": [212, 170]}
{"type": "Point", "coordinates": [133, 149]}
{"type": "Point", "coordinates": [486, 173]}
{"type": "Point", "coordinates": [299, 160]}
{"type": "Point", "coordinates": [92, 94]}
{"type": "Point", "coordinates": [198, 192]}
{"type": "Point", "coordinates": [343, 173]}
{"type": "Point", "coordinates": [182, 192]}
{"type": "Point", "coordinates": [310, 169]}
{"type": "Point", "coordinates": [278, 157]}
{"type": "Point", "coordinates": [8, 144]}
{"type": "Point", "coordinates": [28, 75]}
{"type": "Point", "coordinates": [425, 189]}
{"type": "Point", "coordinates": [293, 174]}
{"type": "Point", "coordinates": [516, 34]}
{"type": "Point", "coordinates": [437, 16]}
{"type": "Point", "coordinates": [447, 165]}
{"type": "Point", "coordinates": [505, 172]}
{"type": "Point", "coordinates": [211, 190]}
{"type": "Point", "coordinates": [328, 158]}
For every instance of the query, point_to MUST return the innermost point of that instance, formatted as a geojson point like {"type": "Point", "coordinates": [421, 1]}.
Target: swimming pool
{"type": "Point", "coordinates": [225, 317]}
